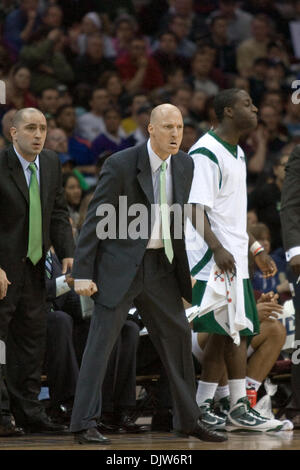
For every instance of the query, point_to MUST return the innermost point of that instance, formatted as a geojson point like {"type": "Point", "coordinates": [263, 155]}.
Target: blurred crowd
{"type": "Point", "coordinates": [96, 69]}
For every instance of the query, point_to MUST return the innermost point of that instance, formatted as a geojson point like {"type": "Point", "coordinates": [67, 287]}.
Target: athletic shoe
{"type": "Point", "coordinates": [242, 417]}
{"type": "Point", "coordinates": [209, 417]}
{"type": "Point", "coordinates": [222, 407]}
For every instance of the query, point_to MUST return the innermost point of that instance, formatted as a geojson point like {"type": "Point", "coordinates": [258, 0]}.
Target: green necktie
{"type": "Point", "coordinates": [35, 218]}
{"type": "Point", "coordinates": [165, 224]}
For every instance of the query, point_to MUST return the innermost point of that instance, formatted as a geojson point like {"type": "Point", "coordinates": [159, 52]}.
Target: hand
{"type": "Point", "coordinates": [67, 265]}
{"type": "Point", "coordinates": [55, 35]}
{"type": "Point", "coordinates": [69, 280]}
{"type": "Point", "coordinates": [142, 62]}
{"type": "Point", "coordinates": [31, 16]}
{"type": "Point", "coordinates": [268, 311]}
{"type": "Point", "coordinates": [4, 283]}
{"type": "Point", "coordinates": [224, 260]}
{"type": "Point", "coordinates": [268, 297]}
{"type": "Point", "coordinates": [265, 263]}
{"type": "Point", "coordinates": [86, 288]}
{"type": "Point", "coordinates": [295, 265]}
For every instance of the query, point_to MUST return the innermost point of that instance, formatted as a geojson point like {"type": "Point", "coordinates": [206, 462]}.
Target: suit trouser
{"type": "Point", "coordinates": [155, 293]}
{"type": "Point", "coordinates": [61, 361]}
{"type": "Point", "coordinates": [23, 329]}
{"type": "Point", "coordinates": [295, 367]}
{"type": "Point", "coordinates": [119, 384]}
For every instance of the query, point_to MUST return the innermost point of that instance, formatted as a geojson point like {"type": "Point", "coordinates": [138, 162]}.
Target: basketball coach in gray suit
{"type": "Point", "coordinates": [290, 223]}
{"type": "Point", "coordinates": [151, 272]}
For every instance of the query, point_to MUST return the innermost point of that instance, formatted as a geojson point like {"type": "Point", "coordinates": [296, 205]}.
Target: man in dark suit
{"type": "Point", "coordinates": [149, 270]}
{"type": "Point", "coordinates": [32, 212]}
{"type": "Point", "coordinates": [290, 223]}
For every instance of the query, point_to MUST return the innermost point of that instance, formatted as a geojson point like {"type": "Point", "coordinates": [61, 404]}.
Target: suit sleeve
{"type": "Point", "coordinates": [60, 228]}
{"type": "Point", "coordinates": [290, 202]}
{"type": "Point", "coordinates": [106, 196]}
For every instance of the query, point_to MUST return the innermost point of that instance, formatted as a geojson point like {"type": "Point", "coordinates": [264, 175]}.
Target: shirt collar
{"type": "Point", "coordinates": [155, 160]}
{"type": "Point", "coordinates": [25, 163]}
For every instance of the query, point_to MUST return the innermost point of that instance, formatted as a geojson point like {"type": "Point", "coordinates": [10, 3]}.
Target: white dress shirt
{"type": "Point", "coordinates": [155, 240]}
{"type": "Point", "coordinates": [25, 165]}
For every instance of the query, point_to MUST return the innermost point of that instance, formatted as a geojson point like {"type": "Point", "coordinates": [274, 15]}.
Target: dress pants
{"type": "Point", "coordinates": [155, 293]}
{"type": "Point", "coordinates": [23, 329]}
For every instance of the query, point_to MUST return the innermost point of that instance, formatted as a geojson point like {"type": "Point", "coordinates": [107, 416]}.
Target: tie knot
{"type": "Point", "coordinates": [164, 166]}
{"type": "Point", "coordinates": [32, 167]}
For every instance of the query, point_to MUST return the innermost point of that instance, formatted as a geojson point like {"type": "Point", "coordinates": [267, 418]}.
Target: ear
{"type": "Point", "coordinates": [13, 132]}
{"type": "Point", "coordinates": [150, 128]}
{"type": "Point", "coordinates": [228, 112]}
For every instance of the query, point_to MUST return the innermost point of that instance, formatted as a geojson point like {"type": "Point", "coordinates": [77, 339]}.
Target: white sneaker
{"type": "Point", "coordinates": [242, 417]}
{"type": "Point", "coordinates": [210, 417]}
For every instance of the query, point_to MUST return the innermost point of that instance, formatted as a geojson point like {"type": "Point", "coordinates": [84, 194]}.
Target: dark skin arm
{"type": "Point", "coordinates": [263, 261]}
{"type": "Point", "coordinates": [224, 259]}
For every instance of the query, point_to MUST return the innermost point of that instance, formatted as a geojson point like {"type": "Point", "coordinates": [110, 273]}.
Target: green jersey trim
{"type": "Point", "coordinates": [207, 153]}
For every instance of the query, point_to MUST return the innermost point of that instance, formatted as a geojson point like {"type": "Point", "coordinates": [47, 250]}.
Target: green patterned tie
{"type": "Point", "coordinates": [35, 218]}
{"type": "Point", "coordinates": [165, 224]}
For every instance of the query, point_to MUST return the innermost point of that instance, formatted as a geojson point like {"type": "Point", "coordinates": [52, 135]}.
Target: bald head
{"type": "Point", "coordinates": [165, 129]}
{"type": "Point", "coordinates": [22, 114]}
{"type": "Point", "coordinates": [162, 110]}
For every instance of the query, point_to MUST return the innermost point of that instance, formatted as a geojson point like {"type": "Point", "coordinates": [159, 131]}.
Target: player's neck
{"type": "Point", "coordinates": [229, 135]}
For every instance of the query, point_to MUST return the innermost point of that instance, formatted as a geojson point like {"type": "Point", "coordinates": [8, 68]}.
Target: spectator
{"type": "Point", "coordinates": [182, 96]}
{"type": "Point", "coordinates": [202, 67]}
{"type": "Point", "coordinates": [197, 105]}
{"type": "Point", "coordinates": [277, 283]}
{"type": "Point", "coordinates": [190, 134]}
{"type": "Point", "coordinates": [277, 133]}
{"type": "Point", "coordinates": [141, 134]}
{"type": "Point", "coordinates": [292, 119]}
{"type": "Point", "coordinates": [90, 66]}
{"type": "Point", "coordinates": [112, 139]}
{"type": "Point", "coordinates": [90, 124]}
{"type": "Point", "coordinates": [18, 94]}
{"type": "Point", "coordinates": [166, 54]}
{"type": "Point", "coordinates": [173, 80]}
{"type": "Point", "coordinates": [139, 71]}
{"type": "Point", "coordinates": [275, 99]}
{"type": "Point", "coordinates": [57, 141]}
{"type": "Point", "coordinates": [181, 28]}
{"type": "Point", "coordinates": [19, 25]}
{"type": "Point", "coordinates": [78, 148]}
{"type": "Point", "coordinates": [48, 101]}
{"type": "Point", "coordinates": [265, 200]}
{"type": "Point", "coordinates": [225, 51]}
{"type": "Point", "coordinates": [73, 196]}
{"type": "Point", "coordinates": [112, 82]}
{"type": "Point", "coordinates": [125, 29]}
{"type": "Point", "coordinates": [47, 61]}
{"type": "Point", "coordinates": [79, 34]}
{"type": "Point", "coordinates": [185, 9]}
{"type": "Point", "coordinates": [254, 47]}
{"type": "Point", "coordinates": [6, 124]}
{"type": "Point", "coordinates": [239, 22]}
{"type": "Point", "coordinates": [130, 123]}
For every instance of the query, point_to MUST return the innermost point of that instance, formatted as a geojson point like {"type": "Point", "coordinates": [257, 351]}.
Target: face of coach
{"type": "Point", "coordinates": [166, 130]}
{"type": "Point", "coordinates": [29, 133]}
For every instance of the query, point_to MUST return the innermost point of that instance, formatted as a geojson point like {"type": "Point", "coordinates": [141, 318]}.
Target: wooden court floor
{"type": "Point", "coordinates": [283, 440]}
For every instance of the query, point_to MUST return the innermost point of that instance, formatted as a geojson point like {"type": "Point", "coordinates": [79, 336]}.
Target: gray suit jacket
{"type": "Point", "coordinates": [113, 263]}
{"type": "Point", "coordinates": [290, 202]}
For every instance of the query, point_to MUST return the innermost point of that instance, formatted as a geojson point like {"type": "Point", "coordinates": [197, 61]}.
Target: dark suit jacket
{"type": "Point", "coordinates": [113, 263]}
{"type": "Point", "coordinates": [14, 211]}
{"type": "Point", "coordinates": [290, 202]}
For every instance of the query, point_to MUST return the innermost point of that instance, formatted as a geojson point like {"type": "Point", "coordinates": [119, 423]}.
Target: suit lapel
{"type": "Point", "coordinates": [44, 175]}
{"type": "Point", "coordinates": [179, 180]}
{"type": "Point", "coordinates": [144, 176]}
{"type": "Point", "coordinates": [17, 172]}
